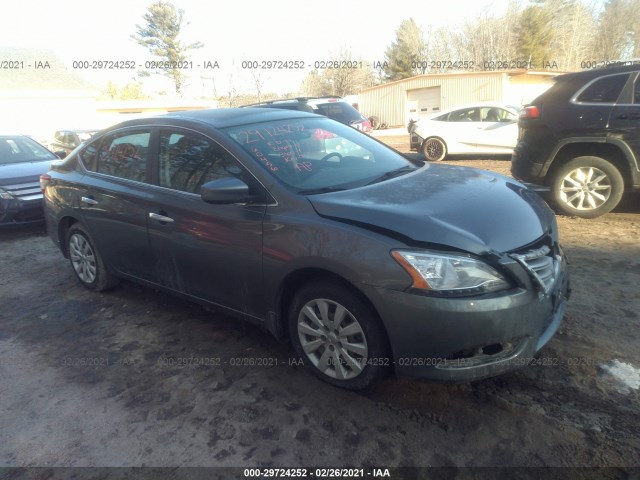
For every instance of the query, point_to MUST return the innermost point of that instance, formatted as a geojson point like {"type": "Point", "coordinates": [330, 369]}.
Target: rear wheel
{"type": "Point", "coordinates": [86, 261]}
{"type": "Point", "coordinates": [587, 187]}
{"type": "Point", "coordinates": [434, 149]}
{"type": "Point", "coordinates": [338, 335]}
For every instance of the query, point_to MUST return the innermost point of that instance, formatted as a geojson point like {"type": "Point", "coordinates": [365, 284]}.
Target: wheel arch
{"type": "Point", "coordinates": [64, 225]}
{"type": "Point", "coordinates": [295, 280]}
{"type": "Point", "coordinates": [614, 153]}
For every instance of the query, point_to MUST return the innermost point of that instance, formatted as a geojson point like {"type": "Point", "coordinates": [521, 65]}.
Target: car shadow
{"type": "Point", "coordinates": [14, 232]}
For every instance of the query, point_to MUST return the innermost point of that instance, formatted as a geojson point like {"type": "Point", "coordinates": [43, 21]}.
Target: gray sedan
{"type": "Point", "coordinates": [369, 263]}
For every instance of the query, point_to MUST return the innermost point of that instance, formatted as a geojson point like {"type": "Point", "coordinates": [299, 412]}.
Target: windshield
{"type": "Point", "coordinates": [22, 149]}
{"type": "Point", "coordinates": [315, 155]}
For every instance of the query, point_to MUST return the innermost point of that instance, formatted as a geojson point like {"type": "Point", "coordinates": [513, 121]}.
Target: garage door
{"type": "Point", "coordinates": [422, 102]}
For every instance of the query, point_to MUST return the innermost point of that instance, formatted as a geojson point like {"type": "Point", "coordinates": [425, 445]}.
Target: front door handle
{"type": "Point", "coordinates": [160, 218]}
{"type": "Point", "coordinates": [88, 201]}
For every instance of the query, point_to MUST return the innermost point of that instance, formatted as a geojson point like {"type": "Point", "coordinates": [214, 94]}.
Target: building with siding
{"type": "Point", "coordinates": [395, 103]}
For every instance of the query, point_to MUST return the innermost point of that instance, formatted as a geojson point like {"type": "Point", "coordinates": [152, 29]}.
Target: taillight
{"type": "Point", "coordinates": [530, 112]}
{"type": "Point", "coordinates": [320, 134]}
{"type": "Point", "coordinates": [44, 181]}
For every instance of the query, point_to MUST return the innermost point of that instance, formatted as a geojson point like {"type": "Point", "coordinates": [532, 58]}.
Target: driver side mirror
{"type": "Point", "coordinates": [225, 191]}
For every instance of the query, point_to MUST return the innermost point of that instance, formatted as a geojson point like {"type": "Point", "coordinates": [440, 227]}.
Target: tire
{"type": "Point", "coordinates": [586, 187]}
{"type": "Point", "coordinates": [434, 149]}
{"type": "Point", "coordinates": [353, 354]}
{"type": "Point", "coordinates": [86, 261]}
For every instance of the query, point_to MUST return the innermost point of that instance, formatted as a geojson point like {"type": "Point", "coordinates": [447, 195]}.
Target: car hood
{"type": "Point", "coordinates": [455, 207]}
{"type": "Point", "coordinates": [23, 172]}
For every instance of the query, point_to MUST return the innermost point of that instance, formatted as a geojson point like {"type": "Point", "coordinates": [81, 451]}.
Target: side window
{"type": "Point", "coordinates": [89, 157]}
{"type": "Point", "coordinates": [495, 114]}
{"type": "Point", "coordinates": [466, 115]}
{"type": "Point", "coordinates": [604, 90]}
{"type": "Point", "coordinates": [188, 161]}
{"type": "Point", "coordinates": [124, 155]}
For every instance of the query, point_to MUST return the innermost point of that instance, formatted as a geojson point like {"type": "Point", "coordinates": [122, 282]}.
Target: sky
{"type": "Point", "coordinates": [232, 31]}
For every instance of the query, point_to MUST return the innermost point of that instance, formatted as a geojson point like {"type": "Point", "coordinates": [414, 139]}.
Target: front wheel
{"type": "Point", "coordinates": [339, 336]}
{"type": "Point", "coordinates": [434, 149]}
{"type": "Point", "coordinates": [86, 262]}
{"type": "Point", "coordinates": [587, 187]}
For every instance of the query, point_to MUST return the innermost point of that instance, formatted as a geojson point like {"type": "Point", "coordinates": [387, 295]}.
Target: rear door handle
{"type": "Point", "coordinates": [160, 218]}
{"type": "Point", "coordinates": [89, 201]}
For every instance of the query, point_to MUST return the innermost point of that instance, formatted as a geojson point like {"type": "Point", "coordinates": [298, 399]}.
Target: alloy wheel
{"type": "Point", "coordinates": [82, 258]}
{"type": "Point", "coordinates": [434, 149]}
{"type": "Point", "coordinates": [585, 188]}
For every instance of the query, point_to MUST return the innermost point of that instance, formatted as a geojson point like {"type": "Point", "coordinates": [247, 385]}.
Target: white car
{"type": "Point", "coordinates": [481, 128]}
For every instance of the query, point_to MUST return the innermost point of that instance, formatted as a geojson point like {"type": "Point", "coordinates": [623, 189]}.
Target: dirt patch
{"type": "Point", "coordinates": [134, 377]}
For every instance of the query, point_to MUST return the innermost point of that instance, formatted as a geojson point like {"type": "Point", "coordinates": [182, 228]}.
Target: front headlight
{"type": "Point", "coordinates": [449, 274]}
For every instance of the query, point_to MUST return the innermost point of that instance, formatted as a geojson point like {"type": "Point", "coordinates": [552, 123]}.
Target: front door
{"type": "Point", "coordinates": [212, 252]}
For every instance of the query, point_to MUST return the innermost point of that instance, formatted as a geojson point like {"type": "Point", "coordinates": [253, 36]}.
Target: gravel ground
{"type": "Point", "coordinates": [133, 377]}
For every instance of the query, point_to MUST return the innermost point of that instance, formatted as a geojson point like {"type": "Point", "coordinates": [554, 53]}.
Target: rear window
{"type": "Point", "coordinates": [340, 111]}
{"type": "Point", "coordinates": [604, 90]}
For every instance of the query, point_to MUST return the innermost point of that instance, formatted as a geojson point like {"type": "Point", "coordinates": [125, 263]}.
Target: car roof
{"type": "Point", "coordinates": [222, 117]}
{"type": "Point", "coordinates": [479, 105]}
{"type": "Point", "coordinates": [598, 72]}
{"type": "Point", "coordinates": [298, 100]}
{"type": "Point", "coordinates": [466, 106]}
{"type": "Point", "coordinates": [78, 130]}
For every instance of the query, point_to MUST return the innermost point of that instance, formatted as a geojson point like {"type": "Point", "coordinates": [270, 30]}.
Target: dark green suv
{"type": "Point", "coordinates": [581, 139]}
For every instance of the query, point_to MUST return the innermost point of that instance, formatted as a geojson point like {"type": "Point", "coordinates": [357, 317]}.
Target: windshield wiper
{"type": "Point", "coordinates": [314, 191]}
{"type": "Point", "coordinates": [393, 173]}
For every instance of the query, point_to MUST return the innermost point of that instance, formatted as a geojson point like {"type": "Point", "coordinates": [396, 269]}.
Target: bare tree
{"type": "Point", "coordinates": [487, 42]}
{"type": "Point", "coordinates": [619, 32]}
{"type": "Point", "coordinates": [574, 23]}
{"type": "Point", "coordinates": [344, 76]}
{"type": "Point", "coordinates": [258, 83]}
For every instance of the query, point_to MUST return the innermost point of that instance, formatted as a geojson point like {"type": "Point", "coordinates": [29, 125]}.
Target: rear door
{"type": "Point", "coordinates": [212, 252]}
{"type": "Point", "coordinates": [624, 122]}
{"type": "Point", "coordinates": [114, 200]}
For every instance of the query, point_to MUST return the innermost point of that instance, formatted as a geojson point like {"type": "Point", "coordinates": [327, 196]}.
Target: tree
{"type": "Point", "coordinates": [487, 42]}
{"type": "Point", "coordinates": [159, 35]}
{"type": "Point", "coordinates": [348, 77]}
{"type": "Point", "coordinates": [535, 35]}
{"type": "Point", "coordinates": [128, 91]}
{"type": "Point", "coordinates": [405, 53]}
{"type": "Point", "coordinates": [619, 32]}
{"type": "Point", "coordinates": [573, 23]}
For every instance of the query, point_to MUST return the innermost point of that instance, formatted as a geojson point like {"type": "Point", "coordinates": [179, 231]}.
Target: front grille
{"type": "Point", "coordinates": [25, 191]}
{"type": "Point", "coordinates": [541, 264]}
